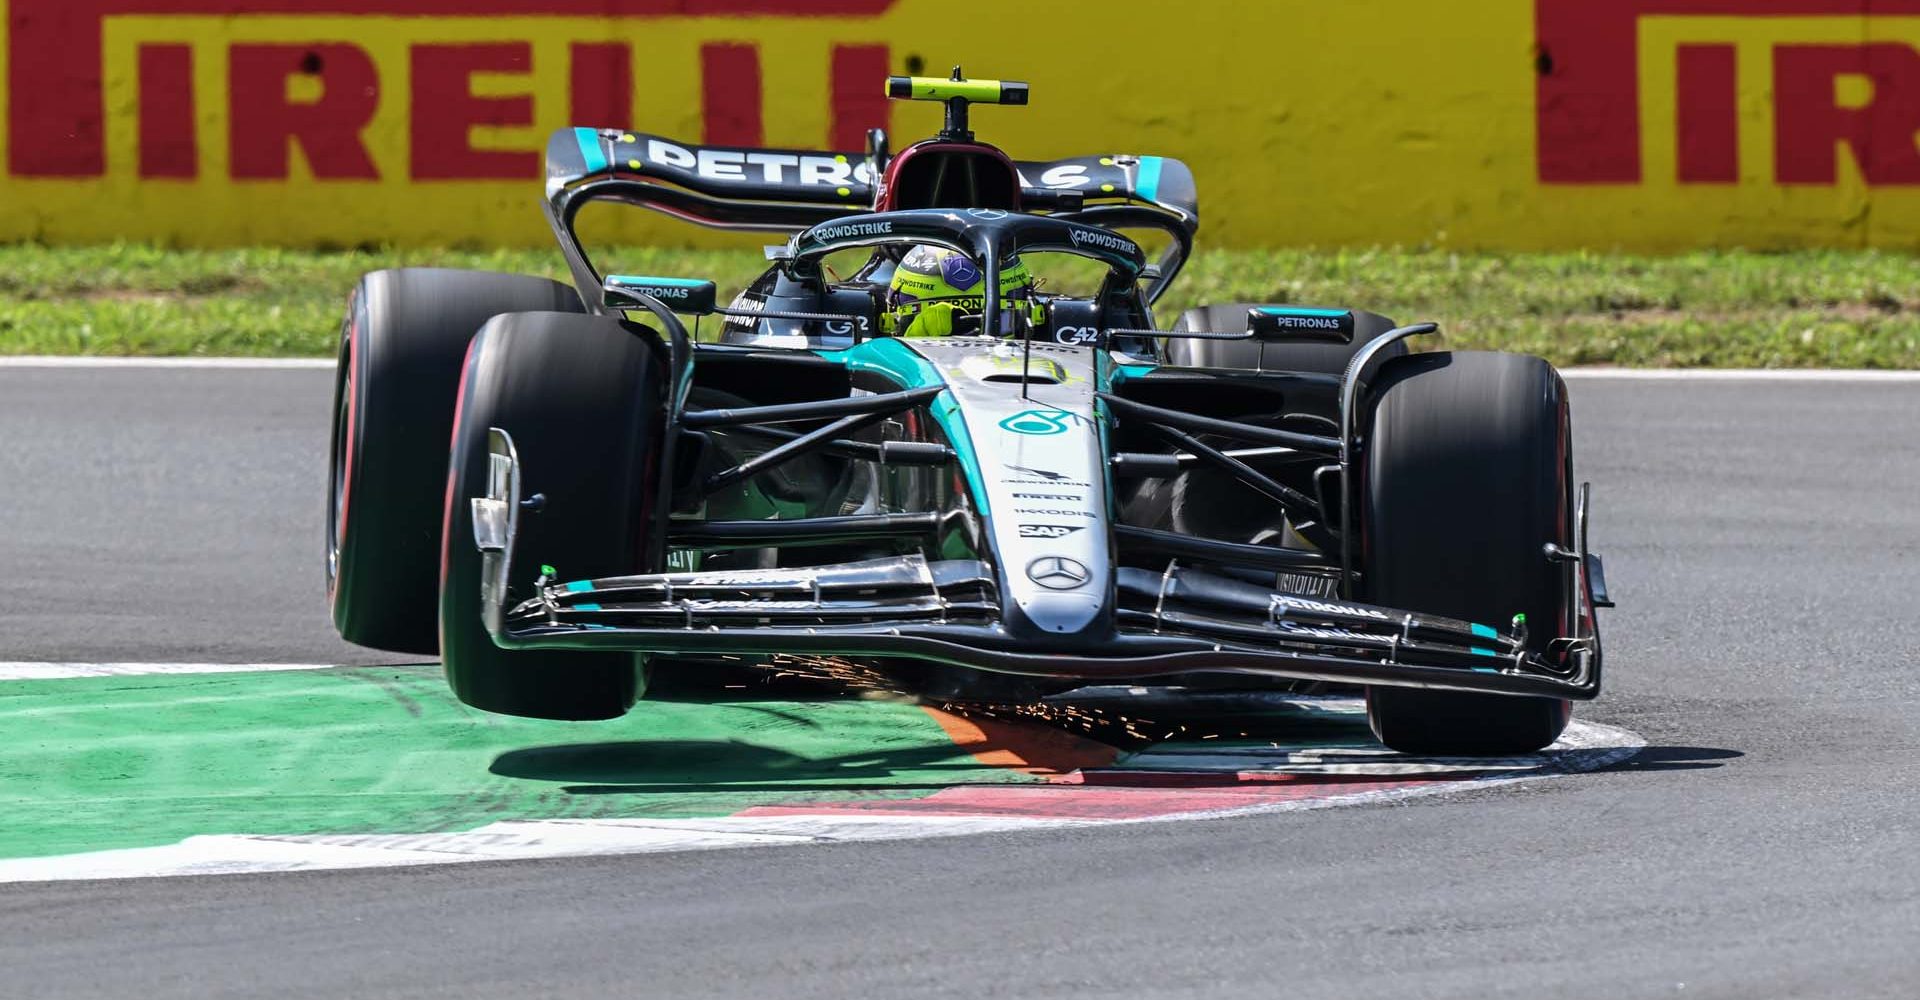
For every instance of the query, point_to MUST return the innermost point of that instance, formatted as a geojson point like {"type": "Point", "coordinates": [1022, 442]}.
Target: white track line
{"type": "Point", "coordinates": [96, 361]}
{"type": "Point", "coordinates": [20, 670]}
{"type": "Point", "coordinates": [1743, 374]}
{"type": "Point", "coordinates": [1651, 374]}
{"type": "Point", "coordinates": [234, 854]}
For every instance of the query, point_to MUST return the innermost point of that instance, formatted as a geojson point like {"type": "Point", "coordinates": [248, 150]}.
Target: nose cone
{"type": "Point", "coordinates": [1042, 469]}
{"type": "Point", "coordinates": [1066, 598]}
{"type": "Point", "coordinates": [1065, 614]}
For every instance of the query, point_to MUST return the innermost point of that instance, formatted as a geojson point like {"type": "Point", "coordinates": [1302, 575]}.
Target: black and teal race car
{"type": "Point", "coordinates": [1061, 492]}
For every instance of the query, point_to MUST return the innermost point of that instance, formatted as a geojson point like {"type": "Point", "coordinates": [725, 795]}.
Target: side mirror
{"type": "Point", "coordinates": [1297, 323]}
{"type": "Point", "coordinates": [683, 295]}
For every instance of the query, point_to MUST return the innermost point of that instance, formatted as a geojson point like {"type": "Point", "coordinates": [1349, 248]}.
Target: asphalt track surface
{"type": "Point", "coordinates": [1763, 539]}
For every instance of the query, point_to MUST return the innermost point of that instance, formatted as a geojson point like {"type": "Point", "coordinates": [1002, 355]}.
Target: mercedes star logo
{"type": "Point", "coordinates": [1058, 573]}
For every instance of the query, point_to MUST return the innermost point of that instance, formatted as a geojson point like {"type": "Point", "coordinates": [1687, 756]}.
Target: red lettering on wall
{"type": "Point", "coordinates": [857, 103]}
{"type": "Point", "coordinates": [1810, 124]}
{"type": "Point", "coordinates": [167, 147]}
{"type": "Point", "coordinates": [601, 85]}
{"type": "Point", "coordinates": [56, 114]}
{"type": "Point", "coordinates": [1587, 84]}
{"type": "Point", "coordinates": [445, 110]}
{"type": "Point", "coordinates": [730, 94]}
{"type": "Point", "coordinates": [1708, 114]}
{"type": "Point", "coordinates": [263, 120]}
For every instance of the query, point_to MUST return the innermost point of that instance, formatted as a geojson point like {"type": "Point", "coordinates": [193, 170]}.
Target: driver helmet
{"type": "Point", "coordinates": [936, 291]}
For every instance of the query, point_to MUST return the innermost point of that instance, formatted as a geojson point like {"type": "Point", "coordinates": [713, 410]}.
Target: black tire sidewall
{"type": "Point", "coordinates": [582, 398]}
{"type": "Point", "coordinates": [401, 349]}
{"type": "Point", "coordinates": [1465, 478]}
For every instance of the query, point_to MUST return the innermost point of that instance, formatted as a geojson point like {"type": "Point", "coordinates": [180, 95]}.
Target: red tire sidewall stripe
{"type": "Point", "coordinates": [467, 365]}
{"type": "Point", "coordinates": [1562, 471]}
{"type": "Point", "coordinates": [352, 374]}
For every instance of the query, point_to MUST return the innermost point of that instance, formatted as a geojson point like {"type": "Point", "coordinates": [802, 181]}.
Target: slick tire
{"type": "Point", "coordinates": [1465, 478]}
{"type": "Point", "coordinates": [583, 399]}
{"type": "Point", "coordinates": [1302, 356]}
{"type": "Point", "coordinates": [401, 346]}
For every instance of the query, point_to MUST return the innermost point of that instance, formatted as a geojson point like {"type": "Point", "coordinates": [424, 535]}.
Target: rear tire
{"type": "Point", "coordinates": [401, 347]}
{"type": "Point", "coordinates": [1467, 477]}
{"type": "Point", "coordinates": [583, 399]}
{"type": "Point", "coordinates": [1290, 356]}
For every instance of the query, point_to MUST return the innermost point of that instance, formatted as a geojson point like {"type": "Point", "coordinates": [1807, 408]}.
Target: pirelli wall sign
{"type": "Point", "coordinates": [1658, 124]}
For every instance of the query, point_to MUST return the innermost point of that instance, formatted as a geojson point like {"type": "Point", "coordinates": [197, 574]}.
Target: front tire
{"type": "Point", "coordinates": [1467, 478]}
{"type": "Point", "coordinates": [401, 348]}
{"type": "Point", "coordinates": [583, 399]}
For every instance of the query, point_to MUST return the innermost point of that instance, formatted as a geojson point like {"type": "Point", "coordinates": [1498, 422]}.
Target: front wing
{"type": "Point", "coordinates": [1165, 624]}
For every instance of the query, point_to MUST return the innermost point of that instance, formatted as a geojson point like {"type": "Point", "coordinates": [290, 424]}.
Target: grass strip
{"type": "Point", "coordinates": [1822, 309]}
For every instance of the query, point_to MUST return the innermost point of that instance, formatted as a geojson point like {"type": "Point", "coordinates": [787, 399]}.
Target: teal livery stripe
{"type": "Point", "coordinates": [1291, 311]}
{"type": "Point", "coordinates": [591, 151]}
{"type": "Point", "coordinates": [628, 279]}
{"type": "Point", "coordinates": [1147, 182]}
{"type": "Point", "coordinates": [890, 356]}
{"type": "Point", "coordinates": [1109, 373]}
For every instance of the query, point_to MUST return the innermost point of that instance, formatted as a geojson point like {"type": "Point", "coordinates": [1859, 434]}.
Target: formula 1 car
{"type": "Point", "coordinates": [942, 466]}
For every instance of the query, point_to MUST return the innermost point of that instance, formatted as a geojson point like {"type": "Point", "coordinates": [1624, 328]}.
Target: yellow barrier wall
{"type": "Point", "coordinates": [1644, 124]}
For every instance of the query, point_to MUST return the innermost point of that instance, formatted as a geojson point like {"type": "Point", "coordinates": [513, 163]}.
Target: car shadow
{"type": "Point", "coordinates": [652, 766]}
{"type": "Point", "coordinates": [1338, 748]}
{"type": "Point", "coordinates": [1674, 758]}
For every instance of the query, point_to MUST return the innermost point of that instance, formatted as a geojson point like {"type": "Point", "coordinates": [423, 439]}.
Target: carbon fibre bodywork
{"type": "Point", "coordinates": [996, 501]}
{"type": "Point", "coordinates": [1016, 557]}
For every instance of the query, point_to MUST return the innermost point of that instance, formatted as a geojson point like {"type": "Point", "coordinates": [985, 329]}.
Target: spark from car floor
{"type": "Point", "coordinates": [1125, 732]}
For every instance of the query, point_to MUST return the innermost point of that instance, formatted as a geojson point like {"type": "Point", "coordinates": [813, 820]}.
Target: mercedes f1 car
{"type": "Point", "coordinates": [943, 466]}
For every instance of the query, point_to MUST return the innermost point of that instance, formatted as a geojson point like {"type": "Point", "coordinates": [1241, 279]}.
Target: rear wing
{"type": "Point", "coordinates": [787, 190]}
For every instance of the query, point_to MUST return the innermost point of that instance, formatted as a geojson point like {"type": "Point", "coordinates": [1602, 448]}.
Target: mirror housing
{"type": "Point", "coordinates": [1300, 323]}
{"type": "Point", "coordinates": [682, 295]}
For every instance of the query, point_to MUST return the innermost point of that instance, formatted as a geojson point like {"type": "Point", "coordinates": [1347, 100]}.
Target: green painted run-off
{"type": "Point", "coordinates": [112, 762]}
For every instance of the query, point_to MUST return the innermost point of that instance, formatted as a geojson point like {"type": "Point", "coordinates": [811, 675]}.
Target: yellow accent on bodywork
{"type": "Point", "coordinates": [932, 88]}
